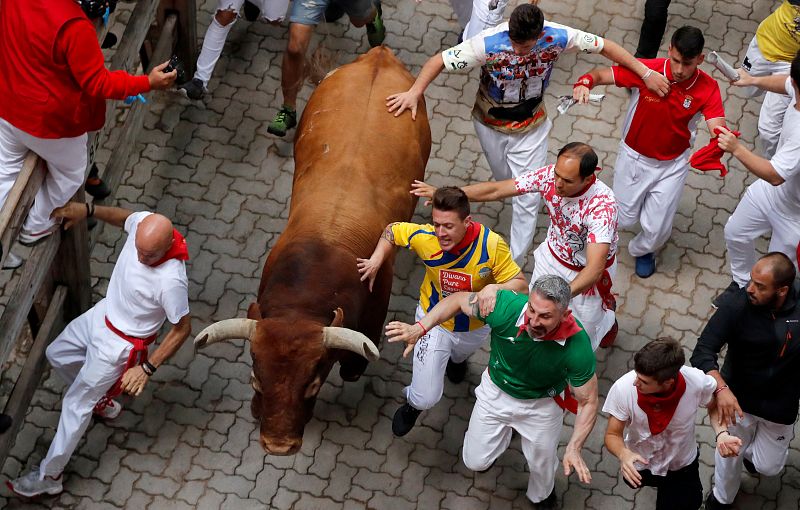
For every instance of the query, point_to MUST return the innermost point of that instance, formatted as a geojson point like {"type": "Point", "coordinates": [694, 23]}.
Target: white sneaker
{"type": "Point", "coordinates": [30, 485]}
{"type": "Point", "coordinates": [13, 261]}
{"type": "Point", "coordinates": [110, 411]}
{"type": "Point", "coordinates": [30, 238]}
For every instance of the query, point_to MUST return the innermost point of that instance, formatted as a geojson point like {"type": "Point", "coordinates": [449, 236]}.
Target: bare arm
{"type": "Point", "coordinates": [134, 379]}
{"type": "Point", "coordinates": [772, 83]}
{"type": "Point", "coordinates": [487, 297]}
{"type": "Point", "coordinates": [368, 268]}
{"type": "Point", "coordinates": [600, 76]}
{"type": "Point", "coordinates": [490, 191]}
{"type": "Point", "coordinates": [713, 124]}
{"type": "Point", "coordinates": [447, 308]}
{"type": "Point", "coordinates": [616, 445]}
{"type": "Point", "coordinates": [586, 396]}
{"type": "Point", "coordinates": [727, 444]}
{"type": "Point", "coordinates": [758, 166]}
{"type": "Point", "coordinates": [73, 212]}
{"type": "Point", "coordinates": [480, 192]}
{"type": "Point", "coordinates": [655, 82]}
{"type": "Point", "coordinates": [596, 256]}
{"type": "Point", "coordinates": [409, 100]}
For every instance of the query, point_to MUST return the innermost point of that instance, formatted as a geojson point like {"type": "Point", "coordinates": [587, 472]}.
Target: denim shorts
{"type": "Point", "coordinates": [311, 12]}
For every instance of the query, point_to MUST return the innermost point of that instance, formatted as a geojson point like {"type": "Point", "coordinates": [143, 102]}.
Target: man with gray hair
{"type": "Point", "coordinates": [538, 349]}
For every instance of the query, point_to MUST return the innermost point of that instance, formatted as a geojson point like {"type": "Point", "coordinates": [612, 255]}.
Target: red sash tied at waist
{"type": "Point", "coordinates": [137, 356]}
{"type": "Point", "coordinates": [603, 285]}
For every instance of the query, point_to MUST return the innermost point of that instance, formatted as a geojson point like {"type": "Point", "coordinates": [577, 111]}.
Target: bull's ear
{"type": "Point", "coordinates": [338, 318]}
{"type": "Point", "coordinates": [254, 312]}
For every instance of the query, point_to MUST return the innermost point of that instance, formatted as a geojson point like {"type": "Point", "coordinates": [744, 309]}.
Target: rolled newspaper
{"type": "Point", "coordinates": [725, 68]}
{"type": "Point", "coordinates": [566, 102]}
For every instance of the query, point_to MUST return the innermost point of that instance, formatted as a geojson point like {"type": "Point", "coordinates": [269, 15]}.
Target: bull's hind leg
{"type": "Point", "coordinates": [371, 321]}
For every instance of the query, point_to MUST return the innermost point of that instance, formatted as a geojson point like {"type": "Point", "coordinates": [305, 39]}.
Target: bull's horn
{"type": "Point", "coordinates": [343, 338]}
{"type": "Point", "coordinates": [225, 330]}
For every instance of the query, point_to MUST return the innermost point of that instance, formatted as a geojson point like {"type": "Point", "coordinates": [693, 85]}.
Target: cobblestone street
{"type": "Point", "coordinates": [189, 441]}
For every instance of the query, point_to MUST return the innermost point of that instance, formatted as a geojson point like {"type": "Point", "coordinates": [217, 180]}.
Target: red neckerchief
{"type": "Point", "coordinates": [178, 250]}
{"type": "Point", "coordinates": [473, 230]}
{"type": "Point", "coordinates": [565, 329]}
{"type": "Point", "coordinates": [659, 410]}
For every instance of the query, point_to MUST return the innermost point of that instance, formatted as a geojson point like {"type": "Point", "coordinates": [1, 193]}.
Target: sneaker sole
{"type": "Point", "coordinates": [34, 242]}
{"type": "Point", "coordinates": [49, 492]}
{"type": "Point", "coordinates": [276, 132]}
{"type": "Point", "coordinates": [187, 96]}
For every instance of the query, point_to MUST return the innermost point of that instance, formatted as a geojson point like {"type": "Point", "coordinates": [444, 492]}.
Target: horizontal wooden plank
{"type": "Point", "coordinates": [20, 398]}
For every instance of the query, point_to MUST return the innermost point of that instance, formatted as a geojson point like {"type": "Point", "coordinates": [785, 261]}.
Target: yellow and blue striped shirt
{"type": "Point", "coordinates": [486, 260]}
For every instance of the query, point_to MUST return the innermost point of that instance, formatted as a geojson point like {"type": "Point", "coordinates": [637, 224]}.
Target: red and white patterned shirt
{"type": "Point", "coordinates": [574, 221]}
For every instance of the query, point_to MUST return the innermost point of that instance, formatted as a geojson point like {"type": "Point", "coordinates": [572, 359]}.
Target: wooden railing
{"type": "Point", "coordinates": [53, 286]}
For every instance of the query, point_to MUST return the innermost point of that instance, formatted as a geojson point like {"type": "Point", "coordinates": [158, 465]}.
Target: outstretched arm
{"type": "Point", "coordinates": [368, 268]}
{"type": "Point", "coordinates": [480, 192]}
{"type": "Point", "coordinates": [447, 308]}
{"type": "Point", "coordinates": [409, 100]}
{"type": "Point", "coordinates": [585, 83]}
{"type": "Point", "coordinates": [771, 83]}
{"type": "Point", "coordinates": [758, 166]}
{"type": "Point", "coordinates": [655, 82]}
{"type": "Point", "coordinates": [73, 212]}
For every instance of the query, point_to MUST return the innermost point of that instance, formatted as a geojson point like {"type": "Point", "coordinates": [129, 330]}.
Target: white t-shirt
{"type": "Point", "coordinates": [574, 221]}
{"type": "Point", "coordinates": [139, 297]}
{"type": "Point", "coordinates": [676, 446]}
{"type": "Point", "coordinates": [786, 161]}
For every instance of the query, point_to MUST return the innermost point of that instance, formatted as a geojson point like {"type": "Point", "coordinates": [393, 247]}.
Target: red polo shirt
{"type": "Point", "coordinates": [663, 128]}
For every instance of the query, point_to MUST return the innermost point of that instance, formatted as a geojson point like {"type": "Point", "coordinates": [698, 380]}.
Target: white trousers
{"type": "Point", "coordinates": [648, 192]}
{"type": "Point", "coordinates": [482, 17]}
{"type": "Point", "coordinates": [538, 422]}
{"type": "Point", "coordinates": [90, 358]}
{"type": "Point", "coordinates": [66, 164]}
{"type": "Point", "coordinates": [773, 108]}
{"type": "Point", "coordinates": [216, 34]}
{"type": "Point", "coordinates": [509, 156]}
{"type": "Point", "coordinates": [587, 308]}
{"type": "Point", "coordinates": [755, 216]}
{"type": "Point", "coordinates": [431, 353]}
{"type": "Point", "coordinates": [764, 443]}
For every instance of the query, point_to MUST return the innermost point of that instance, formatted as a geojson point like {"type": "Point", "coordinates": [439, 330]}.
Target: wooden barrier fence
{"type": "Point", "coordinates": [53, 286]}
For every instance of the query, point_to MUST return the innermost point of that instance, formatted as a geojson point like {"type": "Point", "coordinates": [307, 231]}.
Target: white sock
{"type": "Point", "coordinates": [213, 43]}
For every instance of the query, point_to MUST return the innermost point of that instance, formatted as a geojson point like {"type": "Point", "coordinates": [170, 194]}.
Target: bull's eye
{"type": "Point", "coordinates": [313, 388]}
{"type": "Point", "coordinates": [254, 382]}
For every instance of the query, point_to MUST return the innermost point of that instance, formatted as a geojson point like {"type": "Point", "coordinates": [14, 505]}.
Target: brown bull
{"type": "Point", "coordinates": [354, 164]}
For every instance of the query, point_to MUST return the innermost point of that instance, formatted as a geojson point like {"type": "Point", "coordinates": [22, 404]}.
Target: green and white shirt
{"type": "Point", "coordinates": [527, 368]}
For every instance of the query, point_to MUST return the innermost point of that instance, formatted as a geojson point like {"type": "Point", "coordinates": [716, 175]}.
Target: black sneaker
{"type": "Point", "coordinates": [109, 41]}
{"type": "Point", "coordinates": [193, 89]}
{"type": "Point", "coordinates": [713, 504]}
{"type": "Point", "coordinates": [251, 11]}
{"type": "Point", "coordinates": [95, 186]}
{"type": "Point", "coordinates": [404, 419]}
{"type": "Point", "coordinates": [376, 31]}
{"type": "Point", "coordinates": [547, 503]}
{"type": "Point", "coordinates": [284, 120]}
{"type": "Point", "coordinates": [456, 371]}
{"type": "Point", "coordinates": [749, 466]}
{"type": "Point", "coordinates": [729, 291]}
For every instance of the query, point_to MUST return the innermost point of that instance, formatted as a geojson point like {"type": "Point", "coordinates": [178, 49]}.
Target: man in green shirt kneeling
{"type": "Point", "coordinates": [537, 349]}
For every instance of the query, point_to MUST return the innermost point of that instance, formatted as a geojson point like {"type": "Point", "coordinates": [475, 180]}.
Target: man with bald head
{"type": "Point", "coordinates": [758, 388]}
{"type": "Point", "coordinates": [104, 351]}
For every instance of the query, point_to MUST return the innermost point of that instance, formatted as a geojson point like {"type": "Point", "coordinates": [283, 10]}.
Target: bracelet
{"type": "Point", "coordinates": [720, 433]}
{"type": "Point", "coordinates": [424, 331]}
{"type": "Point", "coordinates": [584, 81]}
{"type": "Point", "coordinates": [89, 209]}
{"type": "Point", "coordinates": [720, 389]}
{"type": "Point", "coordinates": [148, 368]}
{"type": "Point", "coordinates": [647, 74]}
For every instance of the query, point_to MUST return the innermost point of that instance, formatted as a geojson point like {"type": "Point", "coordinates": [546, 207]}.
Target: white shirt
{"type": "Point", "coordinates": [574, 221]}
{"type": "Point", "coordinates": [139, 297]}
{"type": "Point", "coordinates": [676, 446]}
{"type": "Point", "coordinates": [786, 162]}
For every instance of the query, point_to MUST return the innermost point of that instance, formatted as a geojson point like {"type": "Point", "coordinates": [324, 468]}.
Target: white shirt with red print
{"type": "Point", "coordinates": [590, 217]}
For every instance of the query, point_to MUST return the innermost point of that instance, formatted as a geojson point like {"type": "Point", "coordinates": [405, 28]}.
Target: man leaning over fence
{"type": "Point", "coordinates": [104, 351]}
{"type": "Point", "coordinates": [53, 87]}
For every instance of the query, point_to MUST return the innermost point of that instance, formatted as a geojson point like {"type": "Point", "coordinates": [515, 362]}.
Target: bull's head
{"type": "Point", "coordinates": [291, 360]}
